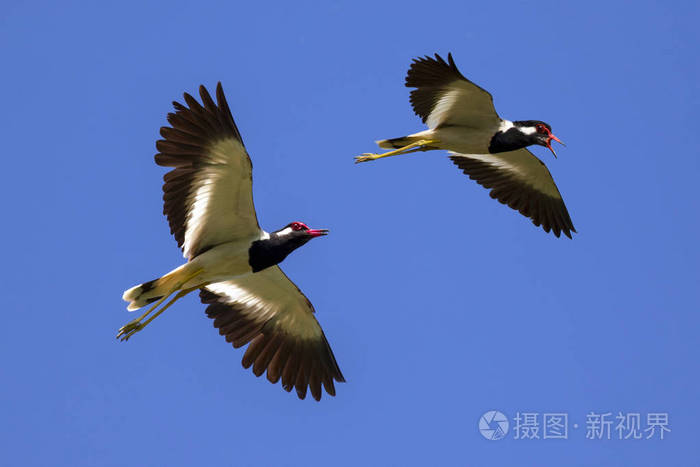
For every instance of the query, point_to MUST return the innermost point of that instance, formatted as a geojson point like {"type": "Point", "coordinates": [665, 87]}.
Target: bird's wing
{"type": "Point", "coordinates": [444, 97]}
{"type": "Point", "coordinates": [522, 181]}
{"type": "Point", "coordinates": [268, 312]}
{"type": "Point", "coordinates": [208, 195]}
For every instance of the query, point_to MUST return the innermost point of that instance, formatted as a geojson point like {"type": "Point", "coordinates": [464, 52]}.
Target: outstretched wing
{"type": "Point", "coordinates": [268, 312]}
{"type": "Point", "coordinates": [208, 196]}
{"type": "Point", "coordinates": [522, 181]}
{"type": "Point", "coordinates": [445, 97]}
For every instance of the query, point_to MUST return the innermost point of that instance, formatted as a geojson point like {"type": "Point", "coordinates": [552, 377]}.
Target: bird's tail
{"type": "Point", "coordinates": [396, 143]}
{"type": "Point", "coordinates": [148, 292]}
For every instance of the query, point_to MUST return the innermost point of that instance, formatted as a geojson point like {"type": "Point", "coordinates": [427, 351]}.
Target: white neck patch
{"type": "Point", "coordinates": [528, 130]}
{"type": "Point", "coordinates": [505, 125]}
{"type": "Point", "coordinates": [285, 231]}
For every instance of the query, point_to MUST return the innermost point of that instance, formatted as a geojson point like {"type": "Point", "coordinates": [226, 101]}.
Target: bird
{"type": "Point", "coordinates": [233, 263]}
{"type": "Point", "coordinates": [462, 119]}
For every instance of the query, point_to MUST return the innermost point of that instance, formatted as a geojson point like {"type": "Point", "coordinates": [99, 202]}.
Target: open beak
{"type": "Point", "coordinates": [549, 143]}
{"type": "Point", "coordinates": [317, 232]}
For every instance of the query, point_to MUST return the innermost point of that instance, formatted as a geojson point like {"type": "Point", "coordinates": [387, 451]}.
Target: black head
{"type": "Point", "coordinates": [537, 132]}
{"type": "Point", "coordinates": [273, 250]}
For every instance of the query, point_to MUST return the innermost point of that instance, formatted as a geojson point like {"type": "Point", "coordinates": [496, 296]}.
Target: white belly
{"type": "Point", "coordinates": [221, 263]}
{"type": "Point", "coordinates": [465, 140]}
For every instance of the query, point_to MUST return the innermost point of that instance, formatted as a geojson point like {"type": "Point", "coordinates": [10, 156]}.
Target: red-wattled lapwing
{"type": "Point", "coordinates": [462, 119]}
{"type": "Point", "coordinates": [230, 259]}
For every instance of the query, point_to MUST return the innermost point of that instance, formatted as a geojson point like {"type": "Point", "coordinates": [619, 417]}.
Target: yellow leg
{"type": "Point", "coordinates": [177, 297]}
{"type": "Point", "coordinates": [413, 147]}
{"type": "Point", "coordinates": [153, 307]}
{"type": "Point", "coordinates": [134, 326]}
{"type": "Point", "coordinates": [134, 329]}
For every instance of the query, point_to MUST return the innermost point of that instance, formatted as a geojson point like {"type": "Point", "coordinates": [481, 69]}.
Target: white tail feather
{"type": "Point", "coordinates": [143, 294]}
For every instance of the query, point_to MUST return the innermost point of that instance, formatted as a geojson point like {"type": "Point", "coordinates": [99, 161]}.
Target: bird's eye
{"type": "Point", "coordinates": [540, 128]}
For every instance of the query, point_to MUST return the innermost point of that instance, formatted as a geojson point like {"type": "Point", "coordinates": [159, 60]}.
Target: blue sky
{"type": "Point", "coordinates": [440, 303]}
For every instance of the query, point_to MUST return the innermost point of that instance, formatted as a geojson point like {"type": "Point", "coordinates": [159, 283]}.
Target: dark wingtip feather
{"type": "Point", "coordinates": [186, 143]}
{"type": "Point", "coordinates": [430, 76]}
{"type": "Point", "coordinates": [305, 365]}
{"type": "Point", "coordinates": [544, 211]}
{"type": "Point", "coordinates": [329, 387]}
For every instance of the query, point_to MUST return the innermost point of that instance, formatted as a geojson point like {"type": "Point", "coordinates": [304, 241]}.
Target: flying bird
{"type": "Point", "coordinates": [234, 264]}
{"type": "Point", "coordinates": [461, 118]}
